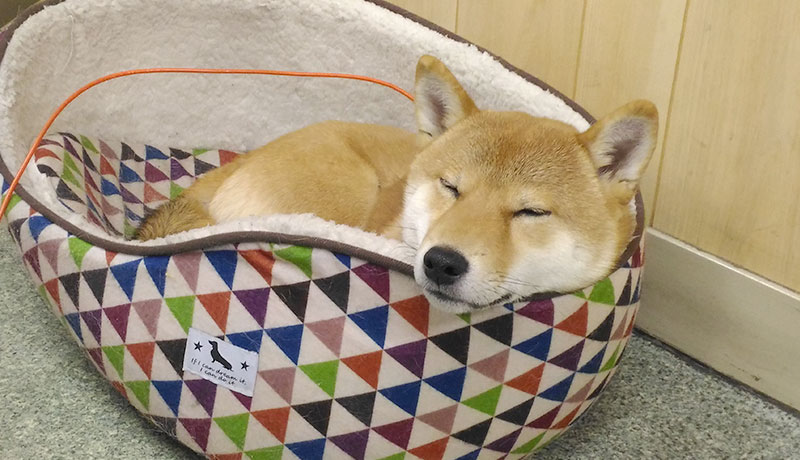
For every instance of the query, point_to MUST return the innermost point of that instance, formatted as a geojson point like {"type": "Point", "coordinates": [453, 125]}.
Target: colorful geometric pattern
{"type": "Point", "coordinates": [352, 361]}
{"type": "Point", "coordinates": [116, 188]}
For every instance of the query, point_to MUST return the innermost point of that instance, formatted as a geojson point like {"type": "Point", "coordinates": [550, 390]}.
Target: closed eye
{"type": "Point", "coordinates": [450, 187]}
{"type": "Point", "coordinates": [532, 212]}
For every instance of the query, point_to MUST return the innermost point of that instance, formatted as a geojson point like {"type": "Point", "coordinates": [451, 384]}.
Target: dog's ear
{"type": "Point", "coordinates": [440, 100]}
{"type": "Point", "coordinates": [622, 143]}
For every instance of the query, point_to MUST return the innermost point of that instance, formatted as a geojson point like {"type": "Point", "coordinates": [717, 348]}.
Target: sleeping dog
{"type": "Point", "coordinates": [498, 205]}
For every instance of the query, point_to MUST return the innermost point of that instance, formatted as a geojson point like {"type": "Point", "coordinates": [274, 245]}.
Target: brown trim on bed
{"type": "Point", "coordinates": [281, 238]}
{"type": "Point", "coordinates": [638, 232]}
{"type": "Point", "coordinates": [7, 31]}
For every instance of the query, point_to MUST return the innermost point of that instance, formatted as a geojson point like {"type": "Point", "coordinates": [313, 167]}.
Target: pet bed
{"type": "Point", "coordinates": [350, 361]}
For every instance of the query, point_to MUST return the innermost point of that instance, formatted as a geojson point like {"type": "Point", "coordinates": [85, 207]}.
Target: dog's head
{"type": "Point", "coordinates": [503, 205]}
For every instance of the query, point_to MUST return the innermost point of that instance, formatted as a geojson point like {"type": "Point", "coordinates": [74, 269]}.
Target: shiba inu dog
{"type": "Point", "coordinates": [498, 205]}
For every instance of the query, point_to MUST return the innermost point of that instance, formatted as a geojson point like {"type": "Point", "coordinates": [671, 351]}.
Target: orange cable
{"type": "Point", "coordinates": [52, 119]}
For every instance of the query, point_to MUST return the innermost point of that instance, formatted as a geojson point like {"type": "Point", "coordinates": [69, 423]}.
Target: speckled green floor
{"type": "Point", "coordinates": [53, 403]}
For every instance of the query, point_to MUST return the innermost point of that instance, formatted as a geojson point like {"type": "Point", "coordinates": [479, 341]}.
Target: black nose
{"type": "Point", "coordinates": [444, 266]}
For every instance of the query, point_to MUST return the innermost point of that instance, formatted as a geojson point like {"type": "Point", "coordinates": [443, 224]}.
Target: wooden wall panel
{"type": "Point", "coordinates": [629, 50]}
{"type": "Point", "coordinates": [440, 12]}
{"type": "Point", "coordinates": [730, 181]}
{"type": "Point", "coordinates": [541, 37]}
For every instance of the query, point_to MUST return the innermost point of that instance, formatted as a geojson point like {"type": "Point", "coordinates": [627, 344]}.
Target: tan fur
{"type": "Point", "coordinates": [179, 215]}
{"type": "Point", "coordinates": [383, 179]}
{"type": "Point", "coordinates": [350, 173]}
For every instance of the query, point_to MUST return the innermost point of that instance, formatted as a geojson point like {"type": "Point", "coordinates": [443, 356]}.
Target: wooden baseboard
{"type": "Point", "coordinates": [735, 322]}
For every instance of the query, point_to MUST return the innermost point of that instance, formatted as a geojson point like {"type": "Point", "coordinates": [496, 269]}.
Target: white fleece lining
{"type": "Point", "coordinates": [67, 45]}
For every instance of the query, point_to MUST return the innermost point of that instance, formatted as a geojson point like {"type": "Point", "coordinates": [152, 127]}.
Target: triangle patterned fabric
{"type": "Point", "coordinates": [338, 375]}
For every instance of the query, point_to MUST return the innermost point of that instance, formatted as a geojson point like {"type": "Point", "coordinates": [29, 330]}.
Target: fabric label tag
{"type": "Point", "coordinates": [220, 362]}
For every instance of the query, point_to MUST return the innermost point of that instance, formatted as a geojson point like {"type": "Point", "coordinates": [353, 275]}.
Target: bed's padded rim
{"type": "Point", "coordinates": [251, 236]}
